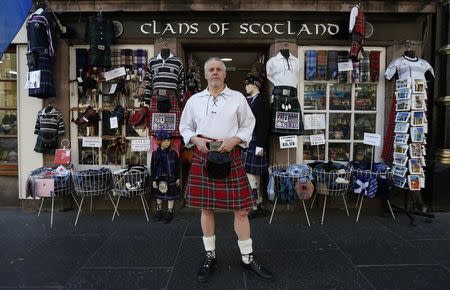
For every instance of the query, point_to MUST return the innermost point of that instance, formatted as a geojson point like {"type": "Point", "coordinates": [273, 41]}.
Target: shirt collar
{"type": "Point", "coordinates": [279, 55]}
{"type": "Point", "coordinates": [160, 57]}
{"type": "Point", "coordinates": [226, 92]}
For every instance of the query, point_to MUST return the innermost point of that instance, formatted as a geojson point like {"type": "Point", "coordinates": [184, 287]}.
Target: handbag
{"type": "Point", "coordinates": [218, 165]}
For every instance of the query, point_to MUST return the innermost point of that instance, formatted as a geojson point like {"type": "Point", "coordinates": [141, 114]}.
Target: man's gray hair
{"type": "Point", "coordinates": [214, 59]}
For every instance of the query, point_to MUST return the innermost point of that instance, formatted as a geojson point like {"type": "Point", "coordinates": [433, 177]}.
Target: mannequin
{"type": "Point", "coordinates": [285, 52]}
{"type": "Point", "coordinates": [410, 53]}
{"type": "Point", "coordinates": [256, 158]}
{"type": "Point", "coordinates": [165, 176]}
{"type": "Point", "coordinates": [165, 53]}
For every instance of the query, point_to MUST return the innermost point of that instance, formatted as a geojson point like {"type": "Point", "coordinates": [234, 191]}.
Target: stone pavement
{"type": "Point", "coordinates": [129, 253]}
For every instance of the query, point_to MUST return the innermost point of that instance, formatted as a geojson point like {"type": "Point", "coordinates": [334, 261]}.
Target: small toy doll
{"type": "Point", "coordinates": [165, 176]}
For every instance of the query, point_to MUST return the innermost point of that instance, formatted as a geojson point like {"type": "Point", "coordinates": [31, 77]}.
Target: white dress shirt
{"type": "Point", "coordinates": [282, 72]}
{"type": "Point", "coordinates": [414, 68]}
{"type": "Point", "coordinates": [352, 20]}
{"type": "Point", "coordinates": [229, 115]}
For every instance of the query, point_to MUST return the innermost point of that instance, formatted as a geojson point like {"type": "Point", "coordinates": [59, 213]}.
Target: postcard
{"type": "Point", "coordinates": [403, 94]}
{"type": "Point", "coordinates": [418, 102]}
{"type": "Point", "coordinates": [399, 170]}
{"type": "Point", "coordinates": [400, 159]}
{"type": "Point", "coordinates": [401, 128]}
{"type": "Point", "coordinates": [401, 138]}
{"type": "Point", "coordinates": [414, 182]}
{"type": "Point", "coordinates": [414, 166]}
{"type": "Point", "coordinates": [399, 181]}
{"type": "Point", "coordinates": [401, 149]}
{"type": "Point", "coordinates": [419, 86]}
{"type": "Point", "coordinates": [417, 118]}
{"type": "Point", "coordinates": [403, 105]}
{"type": "Point", "coordinates": [402, 117]}
{"type": "Point", "coordinates": [417, 134]}
{"type": "Point", "coordinates": [415, 150]}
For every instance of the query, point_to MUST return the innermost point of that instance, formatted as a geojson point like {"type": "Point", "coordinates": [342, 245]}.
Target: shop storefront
{"type": "Point", "coordinates": [246, 33]}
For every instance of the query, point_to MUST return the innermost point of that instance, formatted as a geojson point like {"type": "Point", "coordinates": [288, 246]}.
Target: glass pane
{"type": "Point", "coordinates": [310, 152]}
{"type": "Point", "coordinates": [366, 97]}
{"type": "Point", "coordinates": [340, 96]}
{"type": "Point", "coordinates": [87, 99]}
{"type": "Point", "coordinates": [364, 123]}
{"type": "Point", "coordinates": [84, 131]}
{"type": "Point", "coordinates": [338, 151]}
{"type": "Point", "coordinates": [339, 127]}
{"type": "Point", "coordinates": [8, 68]}
{"type": "Point", "coordinates": [112, 151]}
{"type": "Point", "coordinates": [135, 157]}
{"type": "Point", "coordinates": [315, 96]}
{"type": "Point", "coordinates": [88, 155]}
{"type": "Point", "coordinates": [8, 93]}
{"type": "Point", "coordinates": [110, 101]}
{"type": "Point", "coordinates": [106, 126]}
{"type": "Point", "coordinates": [8, 125]}
{"type": "Point", "coordinates": [362, 152]}
{"type": "Point", "coordinates": [8, 150]}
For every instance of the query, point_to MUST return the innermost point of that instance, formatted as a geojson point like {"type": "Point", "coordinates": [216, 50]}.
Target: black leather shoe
{"type": "Point", "coordinates": [158, 215]}
{"type": "Point", "coordinates": [168, 218]}
{"type": "Point", "coordinates": [256, 269]}
{"type": "Point", "coordinates": [208, 266]}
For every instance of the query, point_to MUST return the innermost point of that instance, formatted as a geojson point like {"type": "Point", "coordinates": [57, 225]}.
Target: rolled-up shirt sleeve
{"type": "Point", "coordinates": [246, 123]}
{"type": "Point", "coordinates": [187, 124]}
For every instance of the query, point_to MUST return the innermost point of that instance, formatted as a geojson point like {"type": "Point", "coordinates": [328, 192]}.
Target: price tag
{"type": "Point", "coordinates": [112, 89]}
{"type": "Point", "coordinates": [80, 79]}
{"type": "Point", "coordinates": [288, 141]}
{"type": "Point", "coordinates": [345, 66]}
{"type": "Point", "coordinates": [140, 145]}
{"type": "Point", "coordinates": [115, 73]}
{"type": "Point", "coordinates": [113, 123]}
{"type": "Point", "coordinates": [372, 139]}
{"type": "Point", "coordinates": [33, 80]}
{"type": "Point", "coordinates": [92, 142]}
{"type": "Point", "coordinates": [314, 121]}
{"type": "Point", "coordinates": [318, 139]}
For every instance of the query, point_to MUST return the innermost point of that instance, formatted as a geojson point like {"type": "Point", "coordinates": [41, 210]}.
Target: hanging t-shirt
{"type": "Point", "coordinates": [406, 67]}
{"type": "Point", "coordinates": [282, 71]}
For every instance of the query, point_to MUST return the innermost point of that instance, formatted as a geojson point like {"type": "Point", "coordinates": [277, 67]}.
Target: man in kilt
{"type": "Point", "coordinates": [256, 157]}
{"type": "Point", "coordinates": [220, 115]}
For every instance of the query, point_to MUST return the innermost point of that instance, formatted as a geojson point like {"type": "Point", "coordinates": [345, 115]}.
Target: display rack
{"type": "Point", "coordinates": [285, 181]}
{"type": "Point", "coordinates": [131, 182]}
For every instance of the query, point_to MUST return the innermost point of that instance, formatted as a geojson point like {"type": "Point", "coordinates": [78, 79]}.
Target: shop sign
{"type": "Point", "coordinates": [248, 29]}
{"type": "Point", "coordinates": [372, 139]}
{"type": "Point", "coordinates": [288, 141]}
{"type": "Point", "coordinates": [164, 121]}
{"type": "Point", "coordinates": [140, 145]}
{"type": "Point", "coordinates": [287, 120]}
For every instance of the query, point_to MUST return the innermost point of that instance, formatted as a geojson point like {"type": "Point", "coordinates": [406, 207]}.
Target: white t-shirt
{"type": "Point", "coordinates": [414, 68]}
{"type": "Point", "coordinates": [227, 116]}
{"type": "Point", "coordinates": [282, 71]}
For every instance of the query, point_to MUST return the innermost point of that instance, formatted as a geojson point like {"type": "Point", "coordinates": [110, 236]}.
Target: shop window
{"type": "Point", "coordinates": [8, 113]}
{"type": "Point", "coordinates": [349, 107]}
{"type": "Point", "coordinates": [115, 142]}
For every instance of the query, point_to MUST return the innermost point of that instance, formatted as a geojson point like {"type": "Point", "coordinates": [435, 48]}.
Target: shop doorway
{"type": "Point", "coordinates": [239, 60]}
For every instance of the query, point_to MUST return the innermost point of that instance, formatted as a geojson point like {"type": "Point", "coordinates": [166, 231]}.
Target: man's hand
{"type": "Point", "coordinates": [200, 143]}
{"type": "Point", "coordinates": [228, 144]}
{"type": "Point", "coordinates": [177, 182]}
{"type": "Point", "coordinates": [154, 184]}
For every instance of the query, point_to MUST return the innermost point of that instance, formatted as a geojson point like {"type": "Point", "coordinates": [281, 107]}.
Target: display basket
{"type": "Point", "coordinates": [92, 182]}
{"type": "Point", "coordinates": [291, 182]}
{"type": "Point", "coordinates": [130, 182]}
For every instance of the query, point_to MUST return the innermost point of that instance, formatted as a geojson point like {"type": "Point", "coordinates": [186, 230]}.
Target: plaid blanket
{"type": "Point", "coordinates": [310, 64]}
{"type": "Point", "coordinates": [321, 64]}
{"type": "Point", "coordinates": [126, 58]}
{"type": "Point", "coordinates": [231, 193]}
{"type": "Point", "coordinates": [139, 59]}
{"type": "Point", "coordinates": [332, 64]}
{"type": "Point", "coordinates": [115, 58]}
{"type": "Point", "coordinates": [374, 66]}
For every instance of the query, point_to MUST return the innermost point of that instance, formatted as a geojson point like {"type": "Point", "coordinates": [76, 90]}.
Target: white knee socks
{"type": "Point", "coordinates": [210, 244]}
{"type": "Point", "coordinates": [246, 248]}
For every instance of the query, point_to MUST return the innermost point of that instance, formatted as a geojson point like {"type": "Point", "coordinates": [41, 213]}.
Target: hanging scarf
{"type": "Point", "coordinates": [374, 66]}
{"type": "Point", "coordinates": [115, 58]}
{"type": "Point", "coordinates": [332, 64]}
{"type": "Point", "coordinates": [321, 64]}
{"type": "Point", "coordinates": [343, 75]}
{"type": "Point", "coordinates": [311, 64]}
{"type": "Point", "coordinates": [139, 59]}
{"type": "Point", "coordinates": [126, 58]}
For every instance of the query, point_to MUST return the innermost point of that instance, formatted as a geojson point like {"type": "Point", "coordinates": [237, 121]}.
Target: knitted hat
{"type": "Point", "coordinates": [162, 135]}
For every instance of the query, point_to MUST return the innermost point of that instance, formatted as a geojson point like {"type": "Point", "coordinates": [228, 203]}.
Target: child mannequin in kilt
{"type": "Point", "coordinates": [165, 176]}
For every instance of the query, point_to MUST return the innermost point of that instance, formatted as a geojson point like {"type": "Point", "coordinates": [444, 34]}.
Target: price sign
{"type": "Point", "coordinates": [140, 145]}
{"type": "Point", "coordinates": [115, 73]}
{"type": "Point", "coordinates": [164, 121]}
{"type": "Point", "coordinates": [92, 142]}
{"type": "Point", "coordinates": [314, 121]}
{"type": "Point", "coordinates": [318, 139]}
{"type": "Point", "coordinates": [372, 139]}
{"type": "Point", "coordinates": [113, 123]}
{"type": "Point", "coordinates": [345, 66]}
{"type": "Point", "coordinates": [288, 141]}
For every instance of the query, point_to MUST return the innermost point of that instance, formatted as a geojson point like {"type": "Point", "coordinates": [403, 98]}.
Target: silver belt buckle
{"type": "Point", "coordinates": [286, 92]}
{"type": "Point", "coordinates": [162, 92]}
{"type": "Point", "coordinates": [163, 186]}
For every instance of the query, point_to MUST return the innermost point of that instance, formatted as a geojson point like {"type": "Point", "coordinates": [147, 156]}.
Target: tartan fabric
{"type": "Point", "coordinates": [173, 109]}
{"type": "Point", "coordinates": [310, 65]}
{"type": "Point", "coordinates": [45, 65]}
{"type": "Point", "coordinates": [388, 145]}
{"type": "Point", "coordinates": [231, 193]}
{"type": "Point", "coordinates": [278, 100]}
{"type": "Point", "coordinates": [253, 164]}
{"type": "Point", "coordinates": [81, 58]}
{"type": "Point", "coordinates": [374, 66]}
{"type": "Point", "coordinates": [360, 23]}
{"type": "Point", "coordinates": [321, 64]}
{"type": "Point", "coordinates": [139, 60]}
{"type": "Point", "coordinates": [126, 58]}
{"type": "Point", "coordinates": [332, 60]}
{"type": "Point", "coordinates": [165, 166]}
{"type": "Point", "coordinates": [357, 42]}
{"type": "Point", "coordinates": [115, 58]}
{"type": "Point", "coordinates": [364, 67]}
{"type": "Point", "coordinates": [100, 58]}
{"type": "Point", "coordinates": [355, 72]}
{"type": "Point", "coordinates": [343, 75]}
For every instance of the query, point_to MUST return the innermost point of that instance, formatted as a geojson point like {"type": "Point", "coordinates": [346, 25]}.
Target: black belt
{"type": "Point", "coordinates": [284, 91]}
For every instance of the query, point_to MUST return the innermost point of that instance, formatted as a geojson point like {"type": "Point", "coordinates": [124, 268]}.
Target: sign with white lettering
{"type": "Point", "coordinates": [140, 145]}
{"type": "Point", "coordinates": [164, 121]}
{"type": "Point", "coordinates": [372, 139]}
{"type": "Point", "coordinates": [318, 139]}
{"type": "Point", "coordinates": [115, 73]}
{"type": "Point", "coordinates": [287, 120]}
{"type": "Point", "coordinates": [92, 142]}
{"type": "Point", "coordinates": [314, 121]}
{"type": "Point", "coordinates": [288, 141]}
{"type": "Point", "coordinates": [113, 123]}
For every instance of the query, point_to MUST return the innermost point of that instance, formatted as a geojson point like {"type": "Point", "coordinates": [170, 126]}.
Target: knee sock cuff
{"type": "Point", "coordinates": [245, 246]}
{"type": "Point", "coordinates": [209, 243]}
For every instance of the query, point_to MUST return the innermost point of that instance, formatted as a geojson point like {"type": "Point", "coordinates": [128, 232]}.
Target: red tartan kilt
{"type": "Point", "coordinates": [173, 109]}
{"type": "Point", "coordinates": [231, 193]}
{"type": "Point", "coordinates": [357, 40]}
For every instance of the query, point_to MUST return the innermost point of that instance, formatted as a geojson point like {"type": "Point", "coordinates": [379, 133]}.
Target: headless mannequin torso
{"type": "Point", "coordinates": [285, 52]}
{"type": "Point", "coordinates": [165, 53]}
